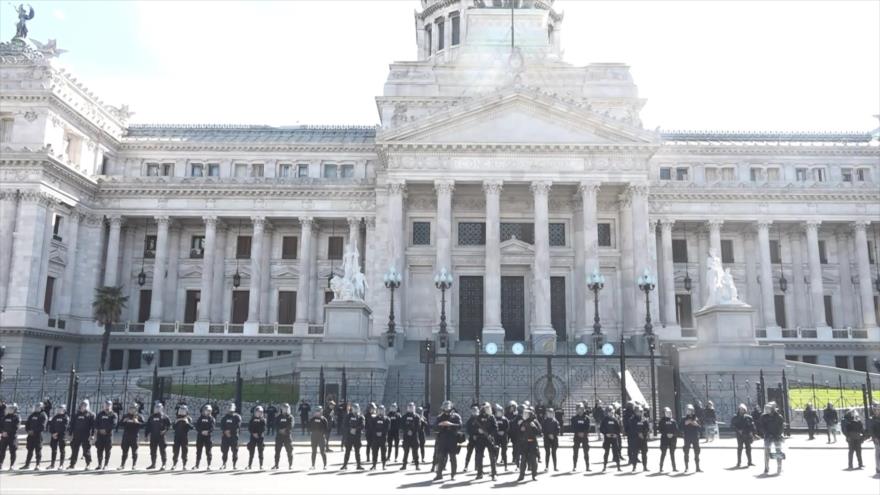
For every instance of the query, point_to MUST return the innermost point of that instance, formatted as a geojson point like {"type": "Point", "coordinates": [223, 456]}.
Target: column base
{"type": "Point", "coordinates": [824, 332]}
{"type": "Point", "coordinates": [774, 332]}
{"type": "Point", "coordinates": [152, 326]}
{"type": "Point", "coordinates": [202, 327]}
{"type": "Point", "coordinates": [543, 339]}
{"type": "Point", "coordinates": [301, 329]}
{"type": "Point", "coordinates": [251, 328]}
{"type": "Point", "coordinates": [494, 334]}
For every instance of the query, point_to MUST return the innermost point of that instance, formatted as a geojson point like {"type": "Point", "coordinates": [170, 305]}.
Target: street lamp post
{"type": "Point", "coordinates": [392, 282]}
{"type": "Point", "coordinates": [443, 281]}
{"type": "Point", "coordinates": [477, 370]}
{"type": "Point", "coordinates": [647, 283]}
{"type": "Point", "coordinates": [595, 283]}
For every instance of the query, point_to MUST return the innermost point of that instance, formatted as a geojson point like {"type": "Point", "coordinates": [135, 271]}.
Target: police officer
{"type": "Point", "coordinates": [529, 431]}
{"type": "Point", "coordinates": [448, 426]}
{"type": "Point", "coordinates": [831, 420]}
{"type": "Point", "coordinates": [744, 426]}
{"type": "Point", "coordinates": [610, 429]}
{"type": "Point", "coordinates": [637, 438]}
{"type": "Point", "coordinates": [551, 429]}
{"type": "Point", "coordinates": [182, 426]}
{"type": "Point", "coordinates": [393, 430]}
{"type": "Point", "coordinates": [304, 410]}
{"type": "Point", "coordinates": [484, 439]}
{"type": "Point", "coordinates": [502, 428]}
{"type": "Point", "coordinates": [368, 429]}
{"type": "Point", "coordinates": [691, 428]}
{"type": "Point", "coordinates": [9, 434]}
{"type": "Point", "coordinates": [410, 426]}
{"type": "Point", "coordinates": [668, 429]}
{"type": "Point", "coordinates": [82, 427]}
{"type": "Point", "coordinates": [204, 430]}
{"type": "Point", "coordinates": [284, 436]}
{"type": "Point", "coordinates": [875, 434]}
{"type": "Point", "coordinates": [271, 414]}
{"type": "Point", "coordinates": [771, 426]}
{"type": "Point", "coordinates": [57, 435]}
{"type": "Point", "coordinates": [230, 425]}
{"type": "Point", "coordinates": [470, 430]}
{"type": "Point", "coordinates": [157, 425]}
{"type": "Point", "coordinates": [598, 414]}
{"type": "Point", "coordinates": [423, 429]}
{"type": "Point", "coordinates": [257, 429]}
{"type": "Point", "coordinates": [35, 426]}
{"type": "Point", "coordinates": [105, 423]}
{"type": "Point", "coordinates": [710, 422]}
{"type": "Point", "coordinates": [514, 432]}
{"type": "Point", "coordinates": [131, 424]}
{"type": "Point", "coordinates": [318, 427]}
{"type": "Point", "coordinates": [580, 427]}
{"type": "Point", "coordinates": [329, 412]}
{"type": "Point", "coordinates": [811, 417]}
{"type": "Point", "coordinates": [354, 430]}
{"type": "Point", "coordinates": [379, 430]}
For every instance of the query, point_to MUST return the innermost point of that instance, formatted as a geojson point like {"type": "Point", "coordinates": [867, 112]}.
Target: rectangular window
{"type": "Point", "coordinates": [557, 234]}
{"type": "Point", "coordinates": [773, 174]}
{"type": "Point", "coordinates": [240, 169]}
{"type": "Point", "coordinates": [791, 357]}
{"type": "Point", "coordinates": [264, 354]}
{"type": "Point", "coordinates": [146, 299]}
{"type": "Point", "coordinates": [302, 170]}
{"type": "Point", "coordinates": [56, 227]}
{"type": "Point", "coordinates": [665, 173]}
{"type": "Point", "coordinates": [860, 363]}
{"type": "Point", "coordinates": [289, 247]}
{"type": "Point", "coordinates": [846, 174]}
{"type": "Point", "coordinates": [284, 353]}
{"type": "Point", "coordinates": [197, 246]}
{"type": "Point", "coordinates": [871, 258]}
{"type": "Point", "coordinates": [728, 174]}
{"type": "Point", "coordinates": [47, 300]}
{"type": "Point", "coordinates": [134, 359]}
{"type": "Point", "coordinates": [346, 171]}
{"type": "Point", "coordinates": [233, 356]}
{"type": "Point", "coordinates": [184, 357]}
{"type": "Point", "coordinates": [863, 175]}
{"type": "Point", "coordinates": [117, 356]}
{"type": "Point", "coordinates": [152, 169]}
{"type": "Point", "coordinates": [755, 174]}
{"type": "Point", "coordinates": [800, 174]}
{"type": "Point", "coordinates": [683, 312]}
{"type": "Point", "coordinates": [681, 173]}
{"type": "Point", "coordinates": [471, 234]}
{"type": "Point", "coordinates": [166, 358]}
{"type": "Point", "coordinates": [823, 255]}
{"type": "Point", "coordinates": [456, 29]}
{"type": "Point", "coordinates": [557, 307]}
{"type": "Point", "coordinates": [428, 40]}
{"type": "Point", "coordinates": [149, 246]}
{"type": "Point", "coordinates": [727, 251]}
{"type": "Point", "coordinates": [285, 170]}
{"type": "Point", "coordinates": [829, 311]}
{"type": "Point", "coordinates": [330, 171]}
{"type": "Point", "coordinates": [334, 248]}
{"type": "Point", "coordinates": [841, 362]}
{"type": "Point", "coordinates": [604, 231]}
{"type": "Point", "coordinates": [167, 169]}
{"type": "Point", "coordinates": [524, 232]}
{"type": "Point", "coordinates": [257, 170]}
{"type": "Point", "coordinates": [775, 255]}
{"type": "Point", "coordinates": [711, 174]}
{"type": "Point", "coordinates": [243, 247]}
{"type": "Point", "coordinates": [421, 233]}
{"type": "Point", "coordinates": [810, 359]}
{"type": "Point", "coordinates": [441, 34]}
{"type": "Point", "coordinates": [213, 170]}
{"type": "Point", "coordinates": [679, 251]}
{"type": "Point", "coordinates": [286, 307]}
{"type": "Point", "coordinates": [779, 311]}
{"type": "Point", "coordinates": [215, 357]}
{"type": "Point", "coordinates": [191, 309]}
{"type": "Point", "coordinates": [197, 170]}
{"type": "Point", "coordinates": [6, 129]}
{"type": "Point", "coordinates": [819, 174]}
{"type": "Point", "coordinates": [240, 302]}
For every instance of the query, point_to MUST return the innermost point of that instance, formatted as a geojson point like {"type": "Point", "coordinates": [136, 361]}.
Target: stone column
{"type": "Point", "coordinates": [112, 262]}
{"type": "Point", "coordinates": [715, 236]}
{"type": "Point", "coordinates": [541, 287]}
{"type": "Point", "coordinates": [627, 299]}
{"type": "Point", "coordinates": [8, 214]}
{"type": "Point", "coordinates": [397, 248]}
{"type": "Point", "coordinates": [641, 248]}
{"type": "Point", "coordinates": [589, 192]}
{"type": "Point", "coordinates": [863, 265]}
{"type": "Point", "coordinates": [817, 291]}
{"type": "Point", "coordinates": [801, 317]}
{"type": "Point", "coordinates": [656, 311]}
{"type": "Point", "coordinates": [702, 254]}
{"type": "Point", "coordinates": [767, 302]}
{"type": "Point", "coordinates": [844, 263]}
{"type": "Point", "coordinates": [354, 228]}
{"type": "Point", "coordinates": [159, 267]}
{"type": "Point", "coordinates": [302, 291]}
{"type": "Point", "coordinates": [668, 282]}
{"type": "Point", "coordinates": [224, 237]}
{"type": "Point", "coordinates": [256, 271]}
{"type": "Point", "coordinates": [266, 272]}
{"type": "Point", "coordinates": [176, 244]}
{"type": "Point", "coordinates": [65, 298]}
{"type": "Point", "coordinates": [752, 289]}
{"type": "Point", "coordinates": [492, 329]}
{"type": "Point", "coordinates": [208, 269]}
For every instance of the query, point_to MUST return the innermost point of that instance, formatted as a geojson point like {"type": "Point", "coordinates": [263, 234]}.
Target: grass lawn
{"type": "Point", "coordinates": [799, 397]}
{"type": "Point", "coordinates": [250, 392]}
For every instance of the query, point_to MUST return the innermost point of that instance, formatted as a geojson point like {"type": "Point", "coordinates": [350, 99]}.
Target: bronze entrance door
{"type": "Point", "coordinates": [513, 308]}
{"type": "Point", "coordinates": [470, 307]}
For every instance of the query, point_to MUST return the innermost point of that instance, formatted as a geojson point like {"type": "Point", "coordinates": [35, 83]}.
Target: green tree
{"type": "Point", "coordinates": [107, 307]}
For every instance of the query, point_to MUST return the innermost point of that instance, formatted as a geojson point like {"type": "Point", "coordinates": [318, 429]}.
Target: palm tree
{"type": "Point", "coordinates": [107, 306]}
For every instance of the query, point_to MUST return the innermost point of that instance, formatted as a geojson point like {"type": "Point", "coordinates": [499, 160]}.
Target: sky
{"type": "Point", "coordinates": [734, 65]}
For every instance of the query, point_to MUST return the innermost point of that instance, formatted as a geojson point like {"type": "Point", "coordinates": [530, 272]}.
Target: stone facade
{"type": "Point", "coordinates": [518, 172]}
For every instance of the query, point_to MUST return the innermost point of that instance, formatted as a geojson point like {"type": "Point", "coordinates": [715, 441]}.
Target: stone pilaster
{"type": "Point", "coordinates": [799, 296]}
{"type": "Point", "coordinates": [849, 316]}
{"type": "Point", "coordinates": [715, 236]}
{"type": "Point", "coordinates": [223, 238]}
{"type": "Point", "coordinates": [541, 268]}
{"type": "Point", "coordinates": [111, 269]}
{"type": "Point", "coordinates": [9, 204]}
{"type": "Point", "coordinates": [589, 192]}
{"type": "Point", "coordinates": [768, 309]}
{"type": "Point", "coordinates": [27, 248]}
{"type": "Point", "coordinates": [492, 329]}
{"type": "Point", "coordinates": [641, 248]}
{"type": "Point", "coordinates": [863, 265]}
{"type": "Point", "coordinates": [259, 225]}
{"type": "Point", "coordinates": [210, 249]}
{"type": "Point", "coordinates": [159, 267]}
{"type": "Point", "coordinates": [667, 284]}
{"type": "Point", "coordinates": [302, 292]}
{"type": "Point", "coordinates": [817, 290]}
{"type": "Point", "coordinates": [626, 312]}
{"type": "Point", "coordinates": [68, 282]}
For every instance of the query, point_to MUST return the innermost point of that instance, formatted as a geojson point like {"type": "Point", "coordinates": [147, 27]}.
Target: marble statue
{"type": "Point", "coordinates": [722, 290]}
{"type": "Point", "coordinates": [352, 285]}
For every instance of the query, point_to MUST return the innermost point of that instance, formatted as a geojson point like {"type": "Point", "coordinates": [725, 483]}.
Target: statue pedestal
{"type": "Point", "coordinates": [346, 320]}
{"type": "Point", "coordinates": [725, 323]}
{"type": "Point", "coordinates": [544, 340]}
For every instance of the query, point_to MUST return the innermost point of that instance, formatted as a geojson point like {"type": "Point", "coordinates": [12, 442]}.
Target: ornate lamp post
{"type": "Point", "coordinates": [148, 356]}
{"type": "Point", "coordinates": [392, 281]}
{"type": "Point", "coordinates": [236, 277]}
{"type": "Point", "coordinates": [2, 352]}
{"type": "Point", "coordinates": [647, 283]}
{"type": "Point", "coordinates": [142, 277]}
{"type": "Point", "coordinates": [443, 281]}
{"type": "Point", "coordinates": [595, 283]}
{"type": "Point", "coordinates": [688, 283]}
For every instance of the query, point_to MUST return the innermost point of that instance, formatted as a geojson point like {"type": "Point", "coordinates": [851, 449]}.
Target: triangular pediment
{"type": "Point", "coordinates": [515, 246]}
{"type": "Point", "coordinates": [518, 118]}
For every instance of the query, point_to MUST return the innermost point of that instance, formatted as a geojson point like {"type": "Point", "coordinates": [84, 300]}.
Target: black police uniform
{"type": "Point", "coordinates": [257, 429]}
{"type": "Point", "coordinates": [271, 415]}
{"type": "Point", "coordinates": [131, 426]}
{"type": "Point", "coordinates": [691, 428]}
{"type": "Point", "coordinates": [423, 428]}
{"type": "Point", "coordinates": [447, 441]}
{"type": "Point", "coordinates": [354, 429]}
{"type": "Point", "coordinates": [744, 426]}
{"type": "Point", "coordinates": [82, 427]}
{"type": "Point", "coordinates": [230, 425]}
{"type": "Point", "coordinates": [410, 425]}
{"type": "Point", "coordinates": [470, 430]}
{"type": "Point", "coordinates": [304, 411]}
{"type": "Point", "coordinates": [501, 433]}
{"type": "Point", "coordinates": [811, 417]}
{"type": "Point", "coordinates": [514, 437]}
{"type": "Point", "coordinates": [580, 427]}
{"type": "Point", "coordinates": [637, 440]}
{"type": "Point", "coordinates": [368, 433]}
{"type": "Point", "coordinates": [610, 429]}
{"type": "Point", "coordinates": [318, 429]}
{"type": "Point", "coordinates": [393, 433]}
{"type": "Point", "coordinates": [283, 438]}
{"type": "Point", "coordinates": [204, 429]}
{"type": "Point", "coordinates": [668, 429]}
{"type": "Point", "coordinates": [180, 450]}
{"type": "Point", "coordinates": [58, 436]}
{"type": "Point", "coordinates": [551, 429]}
{"type": "Point", "coordinates": [35, 426]}
{"type": "Point", "coordinates": [529, 431]}
{"type": "Point", "coordinates": [379, 429]}
{"type": "Point", "coordinates": [484, 439]}
{"type": "Point", "coordinates": [8, 437]}
{"type": "Point", "coordinates": [157, 425]}
{"type": "Point", "coordinates": [105, 423]}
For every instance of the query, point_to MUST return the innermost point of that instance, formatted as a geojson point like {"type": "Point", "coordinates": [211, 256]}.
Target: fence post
{"type": "Point", "coordinates": [125, 392]}
{"type": "Point", "coordinates": [70, 398]}
{"type": "Point", "coordinates": [840, 390]}
{"type": "Point", "coordinates": [785, 404]}
{"type": "Point", "coordinates": [154, 388]}
{"type": "Point", "coordinates": [761, 390]}
{"type": "Point", "coordinates": [238, 389]}
{"type": "Point", "coordinates": [15, 386]}
{"type": "Point", "coordinates": [865, 402]}
{"type": "Point", "coordinates": [42, 384]}
{"type": "Point", "coordinates": [868, 386]}
{"type": "Point", "coordinates": [733, 381]}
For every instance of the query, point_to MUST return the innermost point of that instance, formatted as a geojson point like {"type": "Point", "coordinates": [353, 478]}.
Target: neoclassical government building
{"type": "Point", "coordinates": [494, 158]}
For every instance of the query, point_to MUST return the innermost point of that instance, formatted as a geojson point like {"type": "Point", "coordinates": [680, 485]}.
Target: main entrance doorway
{"type": "Point", "coordinates": [470, 307]}
{"type": "Point", "coordinates": [513, 308]}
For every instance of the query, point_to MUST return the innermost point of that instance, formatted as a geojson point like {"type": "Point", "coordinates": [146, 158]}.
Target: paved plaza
{"type": "Point", "coordinates": [811, 468]}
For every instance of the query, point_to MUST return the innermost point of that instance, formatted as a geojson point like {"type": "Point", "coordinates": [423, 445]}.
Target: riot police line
{"type": "Point", "coordinates": [509, 437]}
